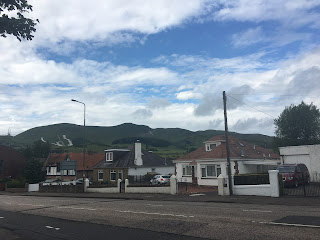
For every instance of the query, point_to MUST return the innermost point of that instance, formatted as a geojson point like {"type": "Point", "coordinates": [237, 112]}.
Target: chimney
{"type": "Point", "coordinates": [137, 154]}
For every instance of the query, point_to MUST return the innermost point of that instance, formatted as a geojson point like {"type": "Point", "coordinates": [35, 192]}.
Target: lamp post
{"type": "Point", "coordinates": [84, 139]}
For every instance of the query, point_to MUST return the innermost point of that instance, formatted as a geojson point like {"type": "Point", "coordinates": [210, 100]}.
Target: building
{"type": "Point", "coordinates": [307, 154]}
{"type": "Point", "coordinates": [204, 165]}
{"type": "Point", "coordinates": [12, 162]}
{"type": "Point", "coordinates": [53, 169]}
{"type": "Point", "coordinates": [134, 162]}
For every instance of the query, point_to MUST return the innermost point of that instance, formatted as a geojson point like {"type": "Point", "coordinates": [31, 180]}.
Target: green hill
{"type": "Point", "coordinates": [167, 142]}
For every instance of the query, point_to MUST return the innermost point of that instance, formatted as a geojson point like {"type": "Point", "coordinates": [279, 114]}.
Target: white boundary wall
{"type": "Point", "coordinates": [270, 190]}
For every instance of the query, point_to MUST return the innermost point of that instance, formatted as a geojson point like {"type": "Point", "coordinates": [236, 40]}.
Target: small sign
{"type": "Point", "coordinates": [68, 165]}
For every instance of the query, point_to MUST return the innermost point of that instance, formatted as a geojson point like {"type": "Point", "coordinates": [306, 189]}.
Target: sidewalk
{"type": "Point", "coordinates": [196, 197]}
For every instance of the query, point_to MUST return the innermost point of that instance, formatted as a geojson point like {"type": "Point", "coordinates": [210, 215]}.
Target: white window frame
{"type": "Point", "coordinates": [185, 170]}
{"type": "Point", "coordinates": [210, 146]}
{"type": "Point", "coordinates": [100, 171]}
{"type": "Point", "coordinates": [120, 174]}
{"type": "Point", "coordinates": [109, 156]}
{"type": "Point", "coordinates": [205, 171]}
{"type": "Point", "coordinates": [111, 174]}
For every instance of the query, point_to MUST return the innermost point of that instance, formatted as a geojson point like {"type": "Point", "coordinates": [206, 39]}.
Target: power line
{"type": "Point", "coordinates": [251, 106]}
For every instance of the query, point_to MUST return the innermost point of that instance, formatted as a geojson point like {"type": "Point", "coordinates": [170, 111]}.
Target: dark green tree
{"type": "Point", "coordinates": [41, 149]}
{"type": "Point", "coordinates": [33, 171]}
{"type": "Point", "coordinates": [18, 26]}
{"type": "Point", "coordinates": [298, 125]}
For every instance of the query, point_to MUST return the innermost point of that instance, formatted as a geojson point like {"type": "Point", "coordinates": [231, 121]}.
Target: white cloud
{"type": "Point", "coordinates": [248, 37]}
{"type": "Point", "coordinates": [157, 103]}
{"type": "Point", "coordinates": [142, 114]}
{"type": "Point", "coordinates": [293, 13]}
{"type": "Point", "coordinates": [108, 21]}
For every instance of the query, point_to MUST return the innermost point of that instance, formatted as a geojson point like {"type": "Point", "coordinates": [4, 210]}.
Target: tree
{"type": "Point", "coordinates": [298, 125]}
{"type": "Point", "coordinates": [33, 171]}
{"type": "Point", "coordinates": [19, 26]}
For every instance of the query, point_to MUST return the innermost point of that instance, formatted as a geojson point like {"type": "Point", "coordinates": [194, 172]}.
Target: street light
{"type": "Point", "coordinates": [84, 138]}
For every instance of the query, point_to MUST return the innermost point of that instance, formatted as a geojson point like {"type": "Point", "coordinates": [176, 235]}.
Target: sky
{"type": "Point", "coordinates": [162, 63]}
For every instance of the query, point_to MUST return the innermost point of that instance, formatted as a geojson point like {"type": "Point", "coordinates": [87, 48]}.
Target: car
{"type": "Point", "coordinates": [80, 181]}
{"type": "Point", "coordinates": [160, 179]}
{"type": "Point", "coordinates": [294, 174]}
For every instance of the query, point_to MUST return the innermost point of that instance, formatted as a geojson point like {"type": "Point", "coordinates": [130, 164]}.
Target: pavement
{"type": "Point", "coordinates": [190, 197]}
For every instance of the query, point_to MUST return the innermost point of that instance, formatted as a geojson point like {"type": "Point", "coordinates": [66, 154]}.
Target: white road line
{"type": "Point", "coordinates": [90, 209]}
{"type": "Point", "coordinates": [49, 227]}
{"type": "Point", "coordinates": [147, 213]}
{"type": "Point", "coordinates": [1, 217]}
{"type": "Point", "coordinates": [291, 224]}
{"type": "Point", "coordinates": [28, 204]}
{"type": "Point", "coordinates": [197, 194]}
{"type": "Point", "coordinates": [252, 210]}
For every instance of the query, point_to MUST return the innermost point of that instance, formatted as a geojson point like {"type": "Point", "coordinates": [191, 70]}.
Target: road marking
{"type": "Point", "coordinates": [75, 208]}
{"type": "Point", "coordinates": [196, 194]}
{"type": "Point", "coordinates": [160, 214]}
{"type": "Point", "coordinates": [49, 227]}
{"type": "Point", "coordinates": [28, 204]}
{"type": "Point", "coordinates": [252, 210]}
{"type": "Point", "coordinates": [291, 224]}
{"type": "Point", "coordinates": [1, 217]}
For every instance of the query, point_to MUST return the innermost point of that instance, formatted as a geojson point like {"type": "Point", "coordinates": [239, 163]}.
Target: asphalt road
{"type": "Point", "coordinates": [75, 218]}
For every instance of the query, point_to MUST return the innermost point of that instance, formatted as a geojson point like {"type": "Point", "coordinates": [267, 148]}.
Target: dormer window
{"type": "Point", "coordinates": [210, 146]}
{"type": "Point", "coordinates": [109, 156]}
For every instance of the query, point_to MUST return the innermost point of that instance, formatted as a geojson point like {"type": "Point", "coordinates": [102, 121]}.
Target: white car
{"type": "Point", "coordinates": [160, 179]}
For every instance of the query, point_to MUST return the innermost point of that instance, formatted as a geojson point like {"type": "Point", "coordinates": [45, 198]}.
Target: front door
{"type": "Point", "coordinates": [194, 178]}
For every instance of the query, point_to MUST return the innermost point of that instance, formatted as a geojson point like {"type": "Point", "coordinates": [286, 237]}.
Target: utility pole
{"type": "Point", "coordinates": [227, 142]}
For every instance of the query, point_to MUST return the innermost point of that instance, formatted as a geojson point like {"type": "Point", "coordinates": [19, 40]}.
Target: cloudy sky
{"type": "Point", "coordinates": [162, 63]}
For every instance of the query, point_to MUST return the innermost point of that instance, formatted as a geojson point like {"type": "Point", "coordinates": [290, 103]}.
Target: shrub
{"type": "Point", "coordinates": [14, 183]}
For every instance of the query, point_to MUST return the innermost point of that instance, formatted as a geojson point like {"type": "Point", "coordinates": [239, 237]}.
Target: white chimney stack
{"type": "Point", "coordinates": [137, 154]}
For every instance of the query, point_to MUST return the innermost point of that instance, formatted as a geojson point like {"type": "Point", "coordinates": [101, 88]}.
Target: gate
{"type": "Point", "coordinates": [308, 190]}
{"type": "Point", "coordinates": [122, 187]}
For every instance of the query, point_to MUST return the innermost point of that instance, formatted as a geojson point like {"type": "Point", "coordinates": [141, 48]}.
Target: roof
{"type": "Point", "coordinates": [91, 159]}
{"type": "Point", "coordinates": [239, 149]}
{"type": "Point", "coordinates": [126, 160]}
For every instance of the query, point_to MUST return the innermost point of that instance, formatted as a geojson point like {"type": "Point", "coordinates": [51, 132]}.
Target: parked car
{"type": "Point", "coordinates": [294, 174]}
{"type": "Point", "coordinates": [80, 181]}
{"type": "Point", "coordinates": [160, 179]}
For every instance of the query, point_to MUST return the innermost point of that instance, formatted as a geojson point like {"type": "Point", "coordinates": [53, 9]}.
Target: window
{"type": "Point", "coordinates": [112, 175]}
{"type": "Point", "coordinates": [109, 156]}
{"type": "Point", "coordinates": [210, 146]}
{"type": "Point", "coordinates": [208, 171]}
{"type": "Point", "coordinates": [187, 170]}
{"type": "Point", "coordinates": [120, 174]}
{"type": "Point", "coordinates": [71, 172]}
{"type": "Point", "coordinates": [100, 175]}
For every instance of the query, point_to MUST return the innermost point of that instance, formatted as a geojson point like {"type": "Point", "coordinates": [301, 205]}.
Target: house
{"type": "Point", "coordinates": [307, 154]}
{"type": "Point", "coordinates": [135, 162]}
{"type": "Point", "coordinates": [204, 165]}
{"type": "Point", "coordinates": [12, 162]}
{"type": "Point", "coordinates": [53, 169]}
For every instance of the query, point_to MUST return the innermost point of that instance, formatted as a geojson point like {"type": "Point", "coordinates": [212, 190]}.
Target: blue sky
{"type": "Point", "coordinates": [162, 63]}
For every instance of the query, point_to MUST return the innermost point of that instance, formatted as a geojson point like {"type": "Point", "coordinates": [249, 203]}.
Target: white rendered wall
{"type": "Point", "coordinates": [307, 154]}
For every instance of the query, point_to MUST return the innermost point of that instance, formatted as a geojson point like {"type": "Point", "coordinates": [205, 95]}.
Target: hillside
{"type": "Point", "coordinates": [167, 142]}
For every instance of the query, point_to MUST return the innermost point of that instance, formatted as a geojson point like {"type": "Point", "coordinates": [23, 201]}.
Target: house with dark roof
{"type": "Point", "coordinates": [12, 162]}
{"type": "Point", "coordinates": [204, 165]}
{"type": "Point", "coordinates": [122, 163]}
{"type": "Point", "coordinates": [52, 165]}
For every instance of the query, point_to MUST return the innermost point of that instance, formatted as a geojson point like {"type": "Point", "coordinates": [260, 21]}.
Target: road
{"type": "Point", "coordinates": [84, 218]}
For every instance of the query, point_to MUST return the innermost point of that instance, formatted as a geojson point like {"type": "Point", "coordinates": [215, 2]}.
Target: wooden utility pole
{"type": "Point", "coordinates": [227, 142]}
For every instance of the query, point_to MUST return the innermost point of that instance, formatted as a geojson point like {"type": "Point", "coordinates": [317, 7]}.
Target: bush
{"type": "Point", "coordinates": [14, 183]}
{"type": "Point", "coordinates": [251, 179]}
